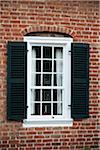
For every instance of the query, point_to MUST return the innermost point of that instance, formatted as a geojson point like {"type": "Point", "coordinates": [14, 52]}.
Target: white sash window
{"type": "Point", "coordinates": [48, 80]}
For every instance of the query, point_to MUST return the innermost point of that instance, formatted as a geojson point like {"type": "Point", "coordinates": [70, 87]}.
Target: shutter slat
{"type": "Point", "coordinates": [79, 80]}
{"type": "Point", "coordinates": [16, 80]}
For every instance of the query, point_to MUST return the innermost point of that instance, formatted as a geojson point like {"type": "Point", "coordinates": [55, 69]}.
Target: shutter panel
{"type": "Point", "coordinates": [16, 80]}
{"type": "Point", "coordinates": [80, 80]}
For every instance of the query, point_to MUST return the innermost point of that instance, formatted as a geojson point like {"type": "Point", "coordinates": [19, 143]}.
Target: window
{"type": "Point", "coordinates": [48, 67]}
{"type": "Point", "coordinates": [47, 81]}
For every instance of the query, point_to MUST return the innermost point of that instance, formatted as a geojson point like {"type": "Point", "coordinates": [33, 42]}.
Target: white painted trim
{"type": "Point", "coordinates": [52, 40]}
{"type": "Point", "coordinates": [43, 123]}
{"type": "Point", "coordinates": [58, 120]}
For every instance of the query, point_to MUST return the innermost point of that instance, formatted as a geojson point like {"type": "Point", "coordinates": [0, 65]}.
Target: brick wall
{"type": "Point", "coordinates": [80, 19]}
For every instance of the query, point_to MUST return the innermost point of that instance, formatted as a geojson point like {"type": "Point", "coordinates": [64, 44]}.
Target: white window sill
{"type": "Point", "coordinates": [52, 123]}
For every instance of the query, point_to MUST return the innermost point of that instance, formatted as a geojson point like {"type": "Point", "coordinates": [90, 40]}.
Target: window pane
{"type": "Point", "coordinates": [47, 79]}
{"type": "Point", "coordinates": [46, 95]}
{"type": "Point", "coordinates": [33, 79]}
{"type": "Point", "coordinates": [57, 109]}
{"type": "Point", "coordinates": [38, 79]}
{"type": "Point", "coordinates": [38, 66]}
{"type": "Point", "coordinates": [47, 66]}
{"type": "Point", "coordinates": [33, 66]}
{"type": "Point", "coordinates": [57, 80]}
{"type": "Point", "coordinates": [47, 52]}
{"type": "Point", "coordinates": [36, 52]}
{"type": "Point", "coordinates": [36, 109]}
{"type": "Point", "coordinates": [54, 95]}
{"type": "Point", "coordinates": [57, 95]}
{"type": "Point", "coordinates": [46, 109]}
{"type": "Point", "coordinates": [58, 52]}
{"type": "Point", "coordinates": [58, 66]}
{"type": "Point", "coordinates": [37, 95]}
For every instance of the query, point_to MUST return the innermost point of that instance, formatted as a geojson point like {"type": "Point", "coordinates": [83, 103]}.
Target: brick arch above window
{"type": "Point", "coordinates": [52, 30]}
{"type": "Point", "coordinates": [48, 34]}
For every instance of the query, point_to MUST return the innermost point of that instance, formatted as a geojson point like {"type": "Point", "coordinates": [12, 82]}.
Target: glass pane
{"type": "Point", "coordinates": [57, 109]}
{"type": "Point", "coordinates": [54, 95]}
{"type": "Point", "coordinates": [33, 79]}
{"type": "Point", "coordinates": [36, 109]}
{"type": "Point", "coordinates": [47, 79]}
{"type": "Point", "coordinates": [57, 95]}
{"type": "Point", "coordinates": [33, 66]}
{"type": "Point", "coordinates": [46, 95]}
{"type": "Point", "coordinates": [47, 52]}
{"type": "Point", "coordinates": [38, 79]}
{"type": "Point", "coordinates": [58, 52]}
{"type": "Point", "coordinates": [36, 52]}
{"type": "Point", "coordinates": [57, 80]}
{"type": "Point", "coordinates": [37, 95]}
{"type": "Point", "coordinates": [47, 66]}
{"type": "Point", "coordinates": [46, 109]}
{"type": "Point", "coordinates": [38, 66]}
{"type": "Point", "coordinates": [58, 66]}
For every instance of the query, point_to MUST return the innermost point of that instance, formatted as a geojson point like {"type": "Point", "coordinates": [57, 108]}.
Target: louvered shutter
{"type": "Point", "coordinates": [79, 80]}
{"type": "Point", "coordinates": [16, 80]}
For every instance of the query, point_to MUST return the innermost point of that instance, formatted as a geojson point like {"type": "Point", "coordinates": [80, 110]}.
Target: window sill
{"type": "Point", "coordinates": [52, 123]}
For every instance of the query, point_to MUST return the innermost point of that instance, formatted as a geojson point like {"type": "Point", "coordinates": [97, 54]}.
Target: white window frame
{"type": "Point", "coordinates": [48, 120]}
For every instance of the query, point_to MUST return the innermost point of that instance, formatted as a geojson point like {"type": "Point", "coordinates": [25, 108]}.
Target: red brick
{"type": "Point", "coordinates": [38, 136]}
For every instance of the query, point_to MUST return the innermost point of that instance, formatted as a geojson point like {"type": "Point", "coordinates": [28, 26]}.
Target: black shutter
{"type": "Point", "coordinates": [16, 80]}
{"type": "Point", "coordinates": [79, 80]}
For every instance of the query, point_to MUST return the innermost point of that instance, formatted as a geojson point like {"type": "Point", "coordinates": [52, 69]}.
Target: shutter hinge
{"type": "Point", "coordinates": [69, 105]}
